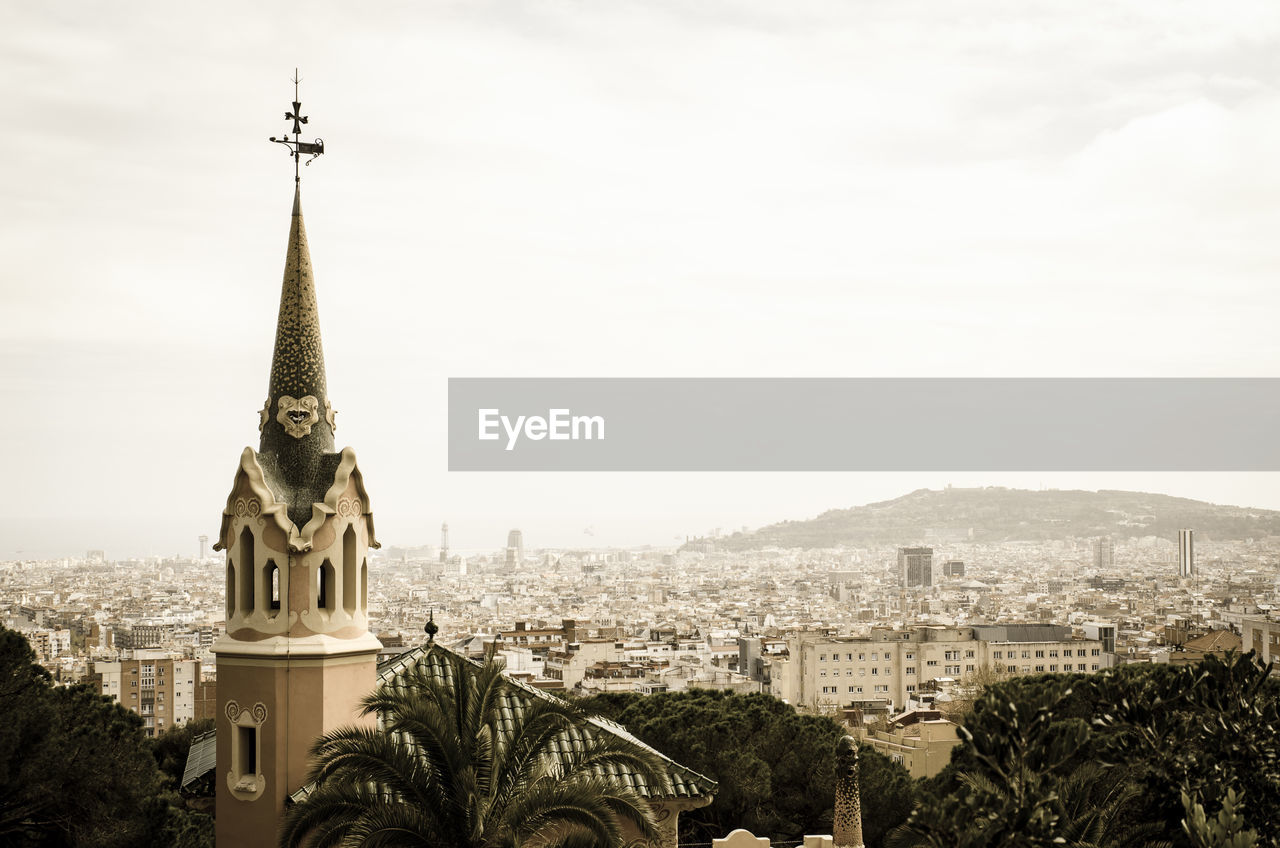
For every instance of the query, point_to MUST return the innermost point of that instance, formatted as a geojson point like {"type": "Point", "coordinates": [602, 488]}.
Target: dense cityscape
{"type": "Point", "coordinates": [876, 630]}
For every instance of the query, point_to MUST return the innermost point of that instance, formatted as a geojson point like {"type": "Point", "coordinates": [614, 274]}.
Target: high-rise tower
{"type": "Point", "coordinates": [915, 566]}
{"type": "Point", "coordinates": [444, 542]}
{"type": "Point", "coordinates": [1104, 553]}
{"type": "Point", "coordinates": [515, 549]}
{"type": "Point", "coordinates": [297, 656]}
{"type": "Point", "coordinates": [1186, 553]}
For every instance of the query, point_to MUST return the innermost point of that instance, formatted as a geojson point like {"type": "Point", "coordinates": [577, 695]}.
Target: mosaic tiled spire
{"type": "Point", "coordinates": [297, 421]}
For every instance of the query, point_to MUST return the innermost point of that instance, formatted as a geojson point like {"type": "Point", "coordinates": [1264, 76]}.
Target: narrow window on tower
{"type": "Point", "coordinates": [273, 580]}
{"type": "Point", "coordinates": [324, 588]}
{"type": "Point", "coordinates": [249, 749]}
{"type": "Point", "coordinates": [248, 563]}
{"type": "Point", "coordinates": [231, 587]}
{"type": "Point", "coordinates": [349, 566]}
{"type": "Point", "coordinates": [245, 758]}
{"type": "Point", "coordinates": [364, 585]}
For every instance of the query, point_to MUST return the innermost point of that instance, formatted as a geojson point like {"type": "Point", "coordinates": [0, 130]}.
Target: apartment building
{"type": "Point", "coordinates": [544, 638]}
{"type": "Point", "coordinates": [920, 742]}
{"type": "Point", "coordinates": [1262, 635]}
{"type": "Point", "coordinates": [163, 690]}
{"type": "Point", "coordinates": [572, 663]}
{"type": "Point", "coordinates": [48, 644]}
{"type": "Point", "coordinates": [824, 672]}
{"type": "Point", "coordinates": [607, 676]}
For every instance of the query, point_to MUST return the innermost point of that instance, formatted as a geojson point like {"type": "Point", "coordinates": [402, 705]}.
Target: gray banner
{"type": "Point", "coordinates": [595, 424]}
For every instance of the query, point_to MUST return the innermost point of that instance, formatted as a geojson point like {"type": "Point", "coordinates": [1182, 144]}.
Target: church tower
{"type": "Point", "coordinates": [297, 656]}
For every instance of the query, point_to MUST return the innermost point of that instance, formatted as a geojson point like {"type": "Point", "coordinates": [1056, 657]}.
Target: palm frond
{"type": "Point", "coordinates": [462, 757]}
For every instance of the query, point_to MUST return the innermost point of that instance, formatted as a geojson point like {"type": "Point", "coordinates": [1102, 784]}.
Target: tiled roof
{"type": "Point", "coordinates": [680, 782]}
{"type": "Point", "coordinates": [201, 758]}
{"type": "Point", "coordinates": [1215, 640]}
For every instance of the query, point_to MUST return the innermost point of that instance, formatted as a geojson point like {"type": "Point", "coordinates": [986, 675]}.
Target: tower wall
{"type": "Point", "coordinates": [297, 657]}
{"type": "Point", "coordinates": [288, 704]}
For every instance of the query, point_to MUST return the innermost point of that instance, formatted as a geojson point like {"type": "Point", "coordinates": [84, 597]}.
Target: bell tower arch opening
{"type": "Point", "coordinates": [325, 590]}
{"type": "Point", "coordinates": [248, 575]}
{"type": "Point", "coordinates": [273, 588]}
{"type": "Point", "coordinates": [349, 567]}
{"type": "Point", "coordinates": [231, 587]}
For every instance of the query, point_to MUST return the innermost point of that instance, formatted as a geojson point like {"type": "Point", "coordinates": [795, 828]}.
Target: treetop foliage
{"type": "Point", "coordinates": [775, 767]}
{"type": "Point", "coordinates": [75, 769]}
{"type": "Point", "coordinates": [1120, 758]}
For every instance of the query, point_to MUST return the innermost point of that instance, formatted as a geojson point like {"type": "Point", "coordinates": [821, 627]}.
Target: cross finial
{"type": "Point", "coordinates": [297, 147]}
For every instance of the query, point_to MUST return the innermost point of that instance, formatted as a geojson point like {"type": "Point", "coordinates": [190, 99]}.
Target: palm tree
{"type": "Point", "coordinates": [464, 757]}
{"type": "Point", "coordinates": [1096, 809]}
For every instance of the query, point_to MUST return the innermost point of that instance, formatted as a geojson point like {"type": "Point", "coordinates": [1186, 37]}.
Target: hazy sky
{"type": "Point", "coordinates": [605, 189]}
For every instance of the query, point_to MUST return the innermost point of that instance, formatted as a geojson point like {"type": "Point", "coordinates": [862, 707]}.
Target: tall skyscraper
{"type": "Point", "coordinates": [1104, 552]}
{"type": "Point", "coordinates": [444, 542]}
{"type": "Point", "coordinates": [297, 656]}
{"type": "Point", "coordinates": [515, 548]}
{"type": "Point", "coordinates": [1186, 553]}
{"type": "Point", "coordinates": [915, 566]}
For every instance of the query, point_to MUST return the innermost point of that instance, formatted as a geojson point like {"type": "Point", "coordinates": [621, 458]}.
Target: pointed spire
{"type": "Point", "coordinates": [846, 830]}
{"type": "Point", "coordinates": [297, 422]}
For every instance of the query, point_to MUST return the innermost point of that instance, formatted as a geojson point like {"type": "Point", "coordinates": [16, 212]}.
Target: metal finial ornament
{"type": "Point", "coordinates": [431, 627]}
{"type": "Point", "coordinates": [297, 147]}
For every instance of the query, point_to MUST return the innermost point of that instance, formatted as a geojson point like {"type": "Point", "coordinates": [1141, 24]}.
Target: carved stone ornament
{"type": "Point", "coordinates": [246, 716]}
{"type": "Point", "coordinates": [331, 415]}
{"type": "Point", "coordinates": [298, 414]}
{"type": "Point", "coordinates": [264, 414]}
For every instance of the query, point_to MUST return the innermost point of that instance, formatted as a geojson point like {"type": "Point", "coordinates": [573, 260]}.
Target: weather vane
{"type": "Point", "coordinates": [298, 147]}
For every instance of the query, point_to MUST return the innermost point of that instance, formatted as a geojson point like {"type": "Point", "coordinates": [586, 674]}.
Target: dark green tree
{"type": "Point", "coordinates": [24, 692]}
{"type": "Point", "coordinates": [775, 767]}
{"type": "Point", "coordinates": [1017, 752]}
{"type": "Point", "coordinates": [1107, 759]}
{"type": "Point", "coordinates": [75, 769]}
{"type": "Point", "coordinates": [186, 828]}
{"type": "Point", "coordinates": [1198, 729]}
{"type": "Point", "coordinates": [459, 761]}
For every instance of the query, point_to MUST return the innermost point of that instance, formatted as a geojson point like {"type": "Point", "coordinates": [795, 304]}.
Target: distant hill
{"type": "Point", "coordinates": [998, 515]}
